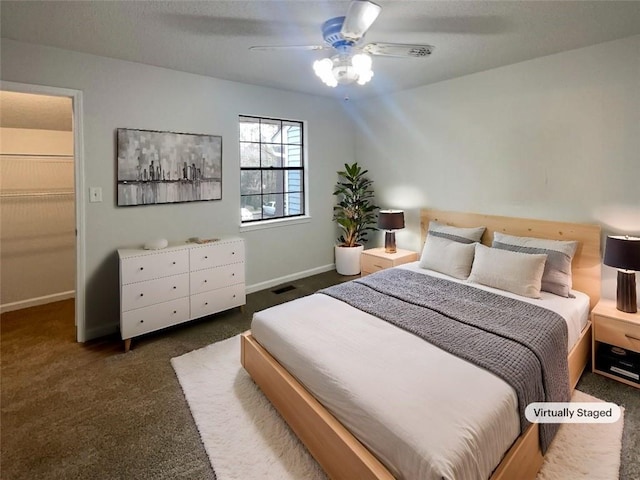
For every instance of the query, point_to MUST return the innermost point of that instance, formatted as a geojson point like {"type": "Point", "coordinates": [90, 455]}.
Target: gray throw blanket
{"type": "Point", "coordinates": [524, 344]}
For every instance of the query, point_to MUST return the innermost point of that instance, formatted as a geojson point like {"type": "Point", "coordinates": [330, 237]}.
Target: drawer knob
{"type": "Point", "coordinates": [142, 294]}
{"type": "Point", "coordinates": [174, 263]}
{"type": "Point", "coordinates": [205, 281]}
{"type": "Point", "coordinates": [175, 287]}
{"type": "Point", "coordinates": [141, 321]}
{"type": "Point", "coordinates": [233, 274]}
{"type": "Point", "coordinates": [234, 296]}
{"type": "Point", "coordinates": [233, 253]}
{"type": "Point", "coordinates": [205, 257]}
{"type": "Point", "coordinates": [141, 268]}
{"type": "Point", "coordinates": [175, 311]}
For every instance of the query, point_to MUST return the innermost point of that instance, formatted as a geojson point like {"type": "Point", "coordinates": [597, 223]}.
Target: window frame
{"type": "Point", "coordinates": [282, 145]}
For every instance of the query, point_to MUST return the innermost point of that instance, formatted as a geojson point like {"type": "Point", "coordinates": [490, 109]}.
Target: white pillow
{"type": "Point", "coordinates": [447, 256]}
{"type": "Point", "coordinates": [557, 271]}
{"type": "Point", "coordinates": [515, 272]}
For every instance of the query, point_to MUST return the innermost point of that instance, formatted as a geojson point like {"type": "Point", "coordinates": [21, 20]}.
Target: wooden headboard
{"type": "Point", "coordinates": [586, 263]}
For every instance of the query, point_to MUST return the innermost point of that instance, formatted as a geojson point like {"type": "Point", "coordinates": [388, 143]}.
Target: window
{"type": "Point", "coordinates": [271, 169]}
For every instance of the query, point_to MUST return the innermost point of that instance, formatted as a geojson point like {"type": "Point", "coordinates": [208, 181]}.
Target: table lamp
{"type": "Point", "coordinates": [623, 253]}
{"type": "Point", "coordinates": [390, 220]}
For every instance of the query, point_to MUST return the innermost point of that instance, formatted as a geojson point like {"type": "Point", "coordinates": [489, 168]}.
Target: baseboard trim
{"type": "Point", "coordinates": [33, 302]}
{"type": "Point", "coordinates": [289, 278]}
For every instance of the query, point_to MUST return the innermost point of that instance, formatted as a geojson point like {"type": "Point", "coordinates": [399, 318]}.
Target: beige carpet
{"type": "Point", "coordinates": [246, 438]}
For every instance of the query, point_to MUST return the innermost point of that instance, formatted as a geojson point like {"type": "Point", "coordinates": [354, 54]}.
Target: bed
{"type": "Point", "coordinates": [333, 445]}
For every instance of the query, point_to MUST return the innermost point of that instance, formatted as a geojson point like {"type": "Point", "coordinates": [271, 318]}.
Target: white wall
{"type": "Point", "coordinates": [124, 94]}
{"type": "Point", "coordinates": [37, 220]}
{"type": "Point", "coordinates": [556, 137]}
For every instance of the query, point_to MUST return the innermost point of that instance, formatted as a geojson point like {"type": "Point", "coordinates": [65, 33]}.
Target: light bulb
{"type": "Point", "coordinates": [365, 77]}
{"type": "Point", "coordinates": [321, 67]}
{"type": "Point", "coordinates": [344, 69]}
{"type": "Point", "coordinates": [361, 62]}
{"type": "Point", "coordinates": [324, 69]}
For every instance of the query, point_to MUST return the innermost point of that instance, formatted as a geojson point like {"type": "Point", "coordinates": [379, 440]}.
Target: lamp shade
{"type": "Point", "coordinates": [391, 219]}
{"type": "Point", "coordinates": [622, 252]}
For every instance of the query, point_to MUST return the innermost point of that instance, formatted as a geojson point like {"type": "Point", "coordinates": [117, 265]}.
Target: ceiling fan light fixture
{"type": "Point", "coordinates": [364, 78]}
{"type": "Point", "coordinates": [352, 63]}
{"type": "Point", "coordinates": [344, 69]}
{"type": "Point", "coordinates": [324, 69]}
{"type": "Point", "coordinates": [361, 62]}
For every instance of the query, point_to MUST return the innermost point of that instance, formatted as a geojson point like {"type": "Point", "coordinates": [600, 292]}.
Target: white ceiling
{"type": "Point", "coordinates": [213, 38]}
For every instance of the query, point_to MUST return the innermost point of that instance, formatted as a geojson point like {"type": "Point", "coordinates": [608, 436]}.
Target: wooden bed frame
{"type": "Point", "coordinates": [337, 451]}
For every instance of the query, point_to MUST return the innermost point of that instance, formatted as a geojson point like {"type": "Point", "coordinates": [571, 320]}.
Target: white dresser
{"type": "Point", "coordinates": [160, 288]}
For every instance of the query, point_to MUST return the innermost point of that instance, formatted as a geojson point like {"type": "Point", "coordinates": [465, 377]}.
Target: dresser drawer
{"type": "Point", "coordinates": [217, 300]}
{"type": "Point", "coordinates": [142, 294]}
{"type": "Point", "coordinates": [212, 278]}
{"type": "Point", "coordinates": [161, 288]}
{"type": "Point", "coordinates": [216, 255]}
{"type": "Point", "coordinates": [370, 264]}
{"type": "Point", "coordinates": [144, 320]}
{"type": "Point", "coordinates": [615, 332]}
{"type": "Point", "coordinates": [146, 267]}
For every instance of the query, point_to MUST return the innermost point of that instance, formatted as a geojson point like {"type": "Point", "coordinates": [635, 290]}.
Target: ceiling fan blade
{"type": "Point", "coordinates": [290, 47]}
{"type": "Point", "coordinates": [398, 50]}
{"type": "Point", "coordinates": [360, 16]}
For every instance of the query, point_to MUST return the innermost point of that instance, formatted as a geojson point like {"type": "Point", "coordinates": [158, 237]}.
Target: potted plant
{"type": "Point", "coordinates": [355, 215]}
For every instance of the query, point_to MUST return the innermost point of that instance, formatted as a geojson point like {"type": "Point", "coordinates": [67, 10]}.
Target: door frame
{"type": "Point", "coordinates": [78, 164]}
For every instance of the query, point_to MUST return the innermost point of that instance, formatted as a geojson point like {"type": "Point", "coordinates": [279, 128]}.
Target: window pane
{"type": "Point", "coordinates": [250, 182]}
{"type": "Point", "coordinates": [251, 207]}
{"type": "Point", "coordinates": [293, 181]}
{"type": "Point", "coordinates": [246, 214]}
{"type": "Point", "coordinates": [271, 155]}
{"type": "Point", "coordinates": [249, 129]}
{"type": "Point", "coordinates": [292, 133]}
{"type": "Point", "coordinates": [272, 206]}
{"type": "Point", "coordinates": [270, 131]}
{"type": "Point", "coordinates": [249, 154]}
{"type": "Point", "coordinates": [294, 203]}
{"type": "Point", "coordinates": [292, 156]}
{"type": "Point", "coordinates": [272, 181]}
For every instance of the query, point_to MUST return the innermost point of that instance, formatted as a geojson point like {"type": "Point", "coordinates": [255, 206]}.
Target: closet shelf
{"type": "Point", "coordinates": [37, 194]}
{"type": "Point", "coordinates": [35, 155]}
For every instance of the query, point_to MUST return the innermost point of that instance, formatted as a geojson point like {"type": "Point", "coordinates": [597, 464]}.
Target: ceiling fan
{"type": "Point", "coordinates": [352, 62]}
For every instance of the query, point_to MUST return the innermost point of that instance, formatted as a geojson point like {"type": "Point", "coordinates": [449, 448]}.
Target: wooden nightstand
{"type": "Point", "coordinates": [611, 327]}
{"type": "Point", "coordinates": [376, 259]}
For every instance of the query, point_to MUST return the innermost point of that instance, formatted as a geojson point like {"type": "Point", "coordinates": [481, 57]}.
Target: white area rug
{"type": "Point", "coordinates": [245, 437]}
{"type": "Point", "coordinates": [584, 450]}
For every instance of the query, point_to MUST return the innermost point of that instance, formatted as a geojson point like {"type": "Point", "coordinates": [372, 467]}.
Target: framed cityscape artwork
{"type": "Point", "coordinates": [167, 167]}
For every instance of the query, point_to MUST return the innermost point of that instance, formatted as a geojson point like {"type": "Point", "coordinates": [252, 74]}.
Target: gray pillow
{"type": "Point", "coordinates": [557, 270]}
{"type": "Point", "coordinates": [457, 234]}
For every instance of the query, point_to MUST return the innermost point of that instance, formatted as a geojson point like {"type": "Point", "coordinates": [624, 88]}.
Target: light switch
{"type": "Point", "coordinates": [95, 194]}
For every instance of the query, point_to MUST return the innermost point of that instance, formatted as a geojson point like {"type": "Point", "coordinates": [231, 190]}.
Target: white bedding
{"type": "Point", "coordinates": [423, 412]}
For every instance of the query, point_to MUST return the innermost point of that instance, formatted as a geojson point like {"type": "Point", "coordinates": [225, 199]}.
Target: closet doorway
{"type": "Point", "coordinates": [39, 201]}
